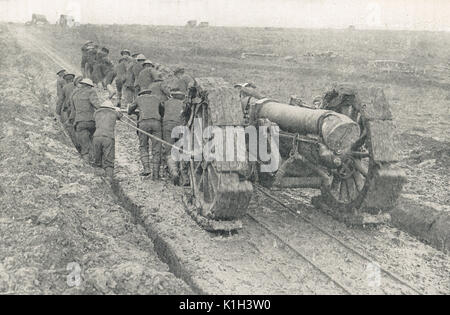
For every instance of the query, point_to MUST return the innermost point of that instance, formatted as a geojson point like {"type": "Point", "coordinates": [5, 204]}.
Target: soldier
{"type": "Point", "coordinates": [70, 109]}
{"type": "Point", "coordinates": [136, 70]}
{"type": "Point", "coordinates": [66, 92]}
{"type": "Point", "coordinates": [149, 107]}
{"type": "Point", "coordinates": [159, 88]}
{"type": "Point", "coordinates": [60, 82]}
{"type": "Point", "coordinates": [91, 57]}
{"type": "Point", "coordinates": [133, 68]}
{"type": "Point", "coordinates": [84, 54]}
{"type": "Point", "coordinates": [104, 138]}
{"type": "Point", "coordinates": [121, 76]}
{"type": "Point", "coordinates": [183, 81]}
{"type": "Point", "coordinates": [125, 52]}
{"type": "Point", "coordinates": [103, 73]}
{"type": "Point", "coordinates": [146, 76]}
{"type": "Point", "coordinates": [171, 118]}
{"type": "Point", "coordinates": [85, 103]}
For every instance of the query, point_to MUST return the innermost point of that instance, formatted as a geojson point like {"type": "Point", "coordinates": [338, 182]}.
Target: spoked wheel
{"type": "Point", "coordinates": [216, 195]}
{"type": "Point", "coordinates": [351, 181]}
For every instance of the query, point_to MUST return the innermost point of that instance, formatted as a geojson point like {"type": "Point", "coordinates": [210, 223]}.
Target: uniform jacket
{"type": "Point", "coordinates": [160, 90]}
{"type": "Point", "coordinates": [105, 122]}
{"type": "Point", "coordinates": [130, 76]}
{"type": "Point", "coordinates": [92, 56]}
{"type": "Point", "coordinates": [60, 82]}
{"type": "Point", "coordinates": [121, 70]}
{"type": "Point", "coordinates": [85, 103]}
{"type": "Point", "coordinates": [148, 105]}
{"type": "Point", "coordinates": [145, 78]}
{"type": "Point", "coordinates": [184, 83]}
{"type": "Point", "coordinates": [67, 91]}
{"type": "Point", "coordinates": [172, 110]}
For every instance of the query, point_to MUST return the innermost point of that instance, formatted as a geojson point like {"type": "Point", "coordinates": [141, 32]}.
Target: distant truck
{"type": "Point", "coordinates": [66, 21]}
{"type": "Point", "coordinates": [38, 19]}
{"type": "Point", "coordinates": [191, 23]}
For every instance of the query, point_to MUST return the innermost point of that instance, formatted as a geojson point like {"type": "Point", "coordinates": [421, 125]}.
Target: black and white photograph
{"type": "Point", "coordinates": [220, 154]}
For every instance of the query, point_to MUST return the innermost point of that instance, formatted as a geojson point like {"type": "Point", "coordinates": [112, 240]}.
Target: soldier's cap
{"type": "Point", "coordinates": [125, 51]}
{"type": "Point", "coordinates": [67, 75]}
{"type": "Point", "coordinates": [140, 57]}
{"type": "Point", "coordinates": [60, 71]}
{"type": "Point", "coordinates": [107, 104]}
{"type": "Point", "coordinates": [148, 62]}
{"type": "Point", "coordinates": [147, 91]}
{"type": "Point", "coordinates": [178, 70]}
{"type": "Point", "coordinates": [105, 50]}
{"type": "Point", "coordinates": [87, 81]}
{"type": "Point", "coordinates": [135, 55]}
{"type": "Point", "coordinates": [89, 42]}
{"type": "Point", "coordinates": [78, 79]}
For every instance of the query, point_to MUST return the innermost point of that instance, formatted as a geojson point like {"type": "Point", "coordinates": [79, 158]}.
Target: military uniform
{"type": "Point", "coordinates": [103, 70]}
{"type": "Point", "coordinates": [91, 58]}
{"type": "Point", "coordinates": [160, 89]}
{"type": "Point", "coordinates": [66, 93]}
{"type": "Point", "coordinates": [129, 82]}
{"type": "Point", "coordinates": [121, 77]}
{"type": "Point", "coordinates": [70, 112]}
{"type": "Point", "coordinates": [145, 78]}
{"type": "Point", "coordinates": [104, 139]}
{"type": "Point", "coordinates": [184, 83]}
{"type": "Point", "coordinates": [171, 119]}
{"type": "Point", "coordinates": [85, 102]}
{"type": "Point", "coordinates": [149, 107]}
{"type": "Point", "coordinates": [84, 56]}
{"type": "Point", "coordinates": [60, 82]}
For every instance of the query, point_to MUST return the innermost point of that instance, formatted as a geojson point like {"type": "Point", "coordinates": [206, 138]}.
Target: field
{"type": "Point", "coordinates": [134, 237]}
{"type": "Point", "coordinates": [420, 101]}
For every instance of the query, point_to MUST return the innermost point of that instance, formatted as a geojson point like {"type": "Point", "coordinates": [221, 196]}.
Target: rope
{"type": "Point", "coordinates": [156, 138]}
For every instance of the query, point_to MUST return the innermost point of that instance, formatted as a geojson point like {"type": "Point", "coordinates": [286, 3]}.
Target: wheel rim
{"type": "Point", "coordinates": [351, 180]}
{"type": "Point", "coordinates": [204, 177]}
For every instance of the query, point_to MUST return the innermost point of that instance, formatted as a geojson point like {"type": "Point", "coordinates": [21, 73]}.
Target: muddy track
{"type": "Point", "coordinates": [277, 251]}
{"type": "Point", "coordinates": [333, 245]}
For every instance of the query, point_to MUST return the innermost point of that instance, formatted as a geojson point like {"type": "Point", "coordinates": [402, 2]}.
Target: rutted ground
{"type": "Point", "coordinates": [253, 261]}
{"type": "Point", "coordinates": [54, 210]}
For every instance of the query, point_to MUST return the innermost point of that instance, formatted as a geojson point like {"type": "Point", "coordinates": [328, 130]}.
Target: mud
{"type": "Point", "coordinates": [253, 261]}
{"type": "Point", "coordinates": [56, 213]}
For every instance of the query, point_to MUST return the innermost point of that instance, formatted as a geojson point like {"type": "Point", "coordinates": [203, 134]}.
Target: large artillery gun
{"type": "Point", "coordinates": [345, 149]}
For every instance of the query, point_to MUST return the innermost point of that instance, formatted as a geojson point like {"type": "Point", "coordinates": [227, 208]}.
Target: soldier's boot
{"type": "Point", "coordinates": [173, 170]}
{"type": "Point", "coordinates": [155, 171]}
{"type": "Point", "coordinates": [146, 166]}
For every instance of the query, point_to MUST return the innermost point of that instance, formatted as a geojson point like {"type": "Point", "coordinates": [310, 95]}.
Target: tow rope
{"type": "Point", "coordinates": [155, 137]}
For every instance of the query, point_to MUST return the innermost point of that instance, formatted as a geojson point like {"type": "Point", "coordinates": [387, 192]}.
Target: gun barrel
{"type": "Point", "coordinates": [338, 131]}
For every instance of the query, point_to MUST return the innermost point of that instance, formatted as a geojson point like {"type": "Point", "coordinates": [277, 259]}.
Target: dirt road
{"type": "Point", "coordinates": [277, 251]}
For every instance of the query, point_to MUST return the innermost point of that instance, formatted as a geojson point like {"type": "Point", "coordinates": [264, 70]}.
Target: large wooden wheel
{"type": "Point", "coordinates": [216, 194]}
{"type": "Point", "coordinates": [351, 181]}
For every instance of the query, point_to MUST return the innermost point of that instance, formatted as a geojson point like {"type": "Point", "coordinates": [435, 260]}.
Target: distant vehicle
{"type": "Point", "coordinates": [203, 24]}
{"type": "Point", "coordinates": [191, 23]}
{"type": "Point", "coordinates": [393, 66]}
{"type": "Point", "coordinates": [66, 21]}
{"type": "Point", "coordinates": [38, 19]}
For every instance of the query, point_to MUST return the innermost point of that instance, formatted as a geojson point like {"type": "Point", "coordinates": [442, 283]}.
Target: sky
{"type": "Point", "coordinates": [364, 14]}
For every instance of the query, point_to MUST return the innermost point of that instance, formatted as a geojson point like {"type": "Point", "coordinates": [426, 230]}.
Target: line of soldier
{"type": "Point", "coordinates": [154, 93]}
